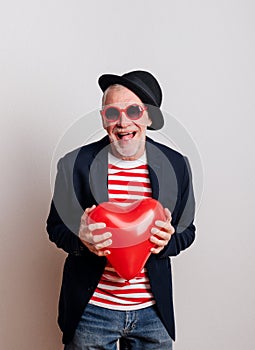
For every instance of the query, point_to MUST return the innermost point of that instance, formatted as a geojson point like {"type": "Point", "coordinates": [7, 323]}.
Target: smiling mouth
{"type": "Point", "coordinates": [126, 135]}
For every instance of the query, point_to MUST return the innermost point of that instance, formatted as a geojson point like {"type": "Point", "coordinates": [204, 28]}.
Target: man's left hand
{"type": "Point", "coordinates": [161, 234]}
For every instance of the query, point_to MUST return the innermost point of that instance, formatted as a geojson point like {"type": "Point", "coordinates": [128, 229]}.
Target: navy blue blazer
{"type": "Point", "coordinates": [81, 181]}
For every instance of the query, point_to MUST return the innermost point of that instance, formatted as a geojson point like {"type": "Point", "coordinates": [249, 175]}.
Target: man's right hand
{"type": "Point", "coordinates": [94, 243]}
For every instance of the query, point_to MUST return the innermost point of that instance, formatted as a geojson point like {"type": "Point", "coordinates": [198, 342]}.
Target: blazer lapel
{"type": "Point", "coordinates": [99, 174]}
{"type": "Point", "coordinates": [162, 175]}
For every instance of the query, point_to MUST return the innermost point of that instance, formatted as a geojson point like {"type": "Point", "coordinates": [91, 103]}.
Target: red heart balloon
{"type": "Point", "coordinates": [130, 227]}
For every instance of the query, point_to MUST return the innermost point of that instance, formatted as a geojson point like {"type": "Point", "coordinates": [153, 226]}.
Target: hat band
{"type": "Point", "coordinates": [143, 87]}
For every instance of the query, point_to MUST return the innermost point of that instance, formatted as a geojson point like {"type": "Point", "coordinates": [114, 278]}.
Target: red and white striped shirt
{"type": "Point", "coordinates": [128, 181]}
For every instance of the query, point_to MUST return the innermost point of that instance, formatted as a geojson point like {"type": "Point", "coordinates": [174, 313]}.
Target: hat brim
{"type": "Point", "coordinates": [154, 111]}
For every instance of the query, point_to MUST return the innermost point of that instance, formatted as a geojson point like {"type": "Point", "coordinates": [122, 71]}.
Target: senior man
{"type": "Point", "coordinates": [97, 307]}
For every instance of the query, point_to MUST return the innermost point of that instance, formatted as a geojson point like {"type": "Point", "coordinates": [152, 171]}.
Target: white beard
{"type": "Point", "coordinates": [127, 149]}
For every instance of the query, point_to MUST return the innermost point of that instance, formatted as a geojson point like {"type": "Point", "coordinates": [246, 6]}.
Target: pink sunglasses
{"type": "Point", "coordinates": [133, 112]}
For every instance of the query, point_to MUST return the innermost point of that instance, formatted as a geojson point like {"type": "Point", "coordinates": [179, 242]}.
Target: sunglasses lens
{"type": "Point", "coordinates": [134, 112]}
{"type": "Point", "coordinates": [112, 113]}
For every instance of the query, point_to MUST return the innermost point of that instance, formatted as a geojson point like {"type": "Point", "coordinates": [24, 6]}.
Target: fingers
{"type": "Point", "coordinates": [88, 210]}
{"type": "Point", "coordinates": [103, 244]}
{"type": "Point", "coordinates": [96, 243]}
{"type": "Point", "coordinates": [102, 237]}
{"type": "Point", "coordinates": [99, 252]}
{"type": "Point", "coordinates": [156, 250]}
{"type": "Point", "coordinates": [99, 241]}
{"type": "Point", "coordinates": [102, 252]}
{"type": "Point", "coordinates": [160, 237]}
{"type": "Point", "coordinates": [168, 214]}
{"type": "Point", "coordinates": [163, 226]}
{"type": "Point", "coordinates": [166, 224]}
{"type": "Point", "coordinates": [96, 226]}
{"type": "Point", "coordinates": [84, 218]}
{"type": "Point", "coordinates": [161, 234]}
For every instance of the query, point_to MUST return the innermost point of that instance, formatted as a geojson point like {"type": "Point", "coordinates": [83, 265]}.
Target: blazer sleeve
{"type": "Point", "coordinates": [184, 218]}
{"type": "Point", "coordinates": [64, 216]}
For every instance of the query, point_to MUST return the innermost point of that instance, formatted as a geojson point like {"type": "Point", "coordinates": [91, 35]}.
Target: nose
{"type": "Point", "coordinates": [124, 120]}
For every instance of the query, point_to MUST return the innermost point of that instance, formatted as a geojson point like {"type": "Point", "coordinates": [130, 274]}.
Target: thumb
{"type": "Point", "coordinates": [168, 214]}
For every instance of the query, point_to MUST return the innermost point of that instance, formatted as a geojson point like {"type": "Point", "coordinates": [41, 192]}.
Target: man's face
{"type": "Point", "coordinates": [127, 136]}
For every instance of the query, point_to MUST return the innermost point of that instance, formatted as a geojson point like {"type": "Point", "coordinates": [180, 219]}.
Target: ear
{"type": "Point", "coordinates": [149, 121]}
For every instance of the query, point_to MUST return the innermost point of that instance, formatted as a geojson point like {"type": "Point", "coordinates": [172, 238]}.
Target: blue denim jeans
{"type": "Point", "coordinates": [101, 328]}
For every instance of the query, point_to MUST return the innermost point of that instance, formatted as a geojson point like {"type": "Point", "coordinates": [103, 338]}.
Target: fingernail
{"type": "Point", "coordinates": [154, 230]}
{"type": "Point", "coordinates": [158, 222]}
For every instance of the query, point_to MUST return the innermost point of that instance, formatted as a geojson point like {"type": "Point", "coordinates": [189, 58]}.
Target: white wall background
{"type": "Point", "coordinates": [51, 54]}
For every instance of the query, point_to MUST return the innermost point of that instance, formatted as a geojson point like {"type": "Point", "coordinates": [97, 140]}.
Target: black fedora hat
{"type": "Point", "coordinates": [145, 86]}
